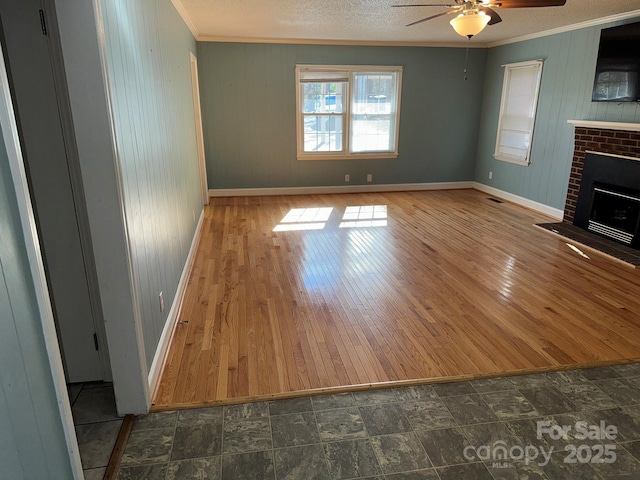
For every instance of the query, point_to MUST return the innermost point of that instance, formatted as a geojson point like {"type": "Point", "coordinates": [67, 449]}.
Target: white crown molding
{"type": "Point", "coordinates": [567, 28]}
{"type": "Point", "coordinates": [518, 200]}
{"type": "Point", "coordinates": [315, 41]}
{"type": "Point", "coordinates": [633, 127]}
{"type": "Point", "coordinates": [401, 187]}
{"type": "Point", "coordinates": [381, 43]}
{"type": "Point", "coordinates": [185, 17]}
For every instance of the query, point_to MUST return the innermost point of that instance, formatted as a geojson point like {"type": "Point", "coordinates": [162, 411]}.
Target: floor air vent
{"type": "Point", "coordinates": [495, 200]}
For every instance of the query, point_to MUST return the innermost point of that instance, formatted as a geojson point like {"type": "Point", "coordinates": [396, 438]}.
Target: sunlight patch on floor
{"type": "Point", "coordinates": [314, 218]}
{"type": "Point", "coordinates": [364, 216]}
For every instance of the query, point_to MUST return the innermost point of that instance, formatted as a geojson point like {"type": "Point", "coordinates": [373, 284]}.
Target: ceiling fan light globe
{"type": "Point", "coordinates": [469, 25]}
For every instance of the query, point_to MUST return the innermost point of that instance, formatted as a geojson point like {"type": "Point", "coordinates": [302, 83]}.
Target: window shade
{"type": "Point", "coordinates": [314, 76]}
{"type": "Point", "coordinates": [518, 111]}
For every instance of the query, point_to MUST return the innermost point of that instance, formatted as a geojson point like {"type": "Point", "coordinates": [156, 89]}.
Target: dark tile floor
{"type": "Point", "coordinates": [428, 432]}
{"type": "Point", "coordinates": [97, 424]}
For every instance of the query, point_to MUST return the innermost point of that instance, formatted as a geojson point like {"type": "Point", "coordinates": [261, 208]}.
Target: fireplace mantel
{"type": "Point", "coordinates": [629, 127]}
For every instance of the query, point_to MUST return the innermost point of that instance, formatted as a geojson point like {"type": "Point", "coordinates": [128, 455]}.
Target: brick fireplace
{"type": "Point", "coordinates": [621, 139]}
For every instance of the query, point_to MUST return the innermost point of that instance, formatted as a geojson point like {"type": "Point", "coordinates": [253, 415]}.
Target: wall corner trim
{"type": "Point", "coordinates": [166, 337]}
{"type": "Point", "coordinates": [518, 200]}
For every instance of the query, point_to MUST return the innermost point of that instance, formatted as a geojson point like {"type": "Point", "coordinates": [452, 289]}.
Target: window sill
{"type": "Point", "coordinates": [353, 156]}
{"type": "Point", "coordinates": [523, 163]}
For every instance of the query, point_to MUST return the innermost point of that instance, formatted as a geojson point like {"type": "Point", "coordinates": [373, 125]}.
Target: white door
{"type": "Point", "coordinates": [55, 195]}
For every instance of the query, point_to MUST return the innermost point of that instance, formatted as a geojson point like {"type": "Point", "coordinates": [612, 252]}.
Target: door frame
{"type": "Point", "coordinates": [32, 245]}
{"type": "Point", "coordinates": [80, 361]}
{"type": "Point", "coordinates": [197, 112]}
{"type": "Point", "coordinates": [77, 188]}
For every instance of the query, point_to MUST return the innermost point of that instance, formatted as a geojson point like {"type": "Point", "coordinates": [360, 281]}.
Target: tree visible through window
{"type": "Point", "coordinates": [348, 112]}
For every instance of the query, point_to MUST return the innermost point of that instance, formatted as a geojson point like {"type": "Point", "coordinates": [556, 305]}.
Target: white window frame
{"type": "Point", "coordinates": [345, 154]}
{"type": "Point", "coordinates": [506, 89]}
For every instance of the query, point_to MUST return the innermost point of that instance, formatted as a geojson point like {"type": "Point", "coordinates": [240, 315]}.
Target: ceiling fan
{"type": "Point", "coordinates": [474, 15]}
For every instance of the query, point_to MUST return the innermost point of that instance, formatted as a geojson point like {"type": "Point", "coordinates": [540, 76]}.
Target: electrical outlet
{"type": "Point", "coordinates": [161, 302]}
{"type": "Point", "coordinates": [490, 175]}
{"type": "Point", "coordinates": [369, 177]}
{"type": "Point", "coordinates": [346, 178]}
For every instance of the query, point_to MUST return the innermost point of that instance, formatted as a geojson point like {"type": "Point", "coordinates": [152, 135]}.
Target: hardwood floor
{"type": "Point", "coordinates": [438, 284]}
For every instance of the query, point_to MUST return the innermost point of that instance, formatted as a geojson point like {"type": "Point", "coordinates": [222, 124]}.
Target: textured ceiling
{"type": "Point", "coordinates": [374, 20]}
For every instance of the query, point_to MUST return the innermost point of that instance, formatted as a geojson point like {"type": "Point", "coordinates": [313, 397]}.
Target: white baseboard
{"type": "Point", "coordinates": [162, 351]}
{"type": "Point", "coordinates": [525, 202]}
{"type": "Point", "coordinates": [399, 187]}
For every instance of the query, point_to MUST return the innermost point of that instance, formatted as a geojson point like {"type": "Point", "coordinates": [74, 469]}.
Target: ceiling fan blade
{"type": "Point", "coordinates": [428, 18]}
{"type": "Point", "coordinates": [531, 3]}
{"type": "Point", "coordinates": [495, 18]}
{"type": "Point", "coordinates": [424, 5]}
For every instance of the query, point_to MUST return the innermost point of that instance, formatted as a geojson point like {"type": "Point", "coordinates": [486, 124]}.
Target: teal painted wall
{"type": "Point", "coordinates": [567, 81]}
{"type": "Point", "coordinates": [149, 79]}
{"type": "Point", "coordinates": [247, 93]}
{"type": "Point", "coordinates": [32, 442]}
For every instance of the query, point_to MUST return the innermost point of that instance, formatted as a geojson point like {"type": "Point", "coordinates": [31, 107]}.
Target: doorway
{"type": "Point", "coordinates": [37, 86]}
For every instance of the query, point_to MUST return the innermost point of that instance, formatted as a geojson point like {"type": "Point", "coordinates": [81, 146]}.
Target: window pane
{"type": "Point", "coordinates": [323, 97]}
{"type": "Point", "coordinates": [371, 133]}
{"type": "Point", "coordinates": [373, 109]}
{"type": "Point", "coordinates": [322, 133]}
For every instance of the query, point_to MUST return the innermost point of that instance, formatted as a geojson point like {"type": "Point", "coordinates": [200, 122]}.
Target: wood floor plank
{"type": "Point", "coordinates": [451, 286]}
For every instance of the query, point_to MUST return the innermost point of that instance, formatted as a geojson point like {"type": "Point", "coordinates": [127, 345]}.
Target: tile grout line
{"type": "Point", "coordinates": [173, 440]}
{"type": "Point", "coordinates": [369, 436]}
{"type": "Point", "coordinates": [315, 418]}
{"type": "Point", "coordinates": [272, 451]}
{"type": "Point", "coordinates": [222, 442]}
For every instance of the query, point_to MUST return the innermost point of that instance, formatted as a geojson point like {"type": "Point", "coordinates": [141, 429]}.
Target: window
{"type": "Point", "coordinates": [518, 111]}
{"type": "Point", "coordinates": [347, 112]}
